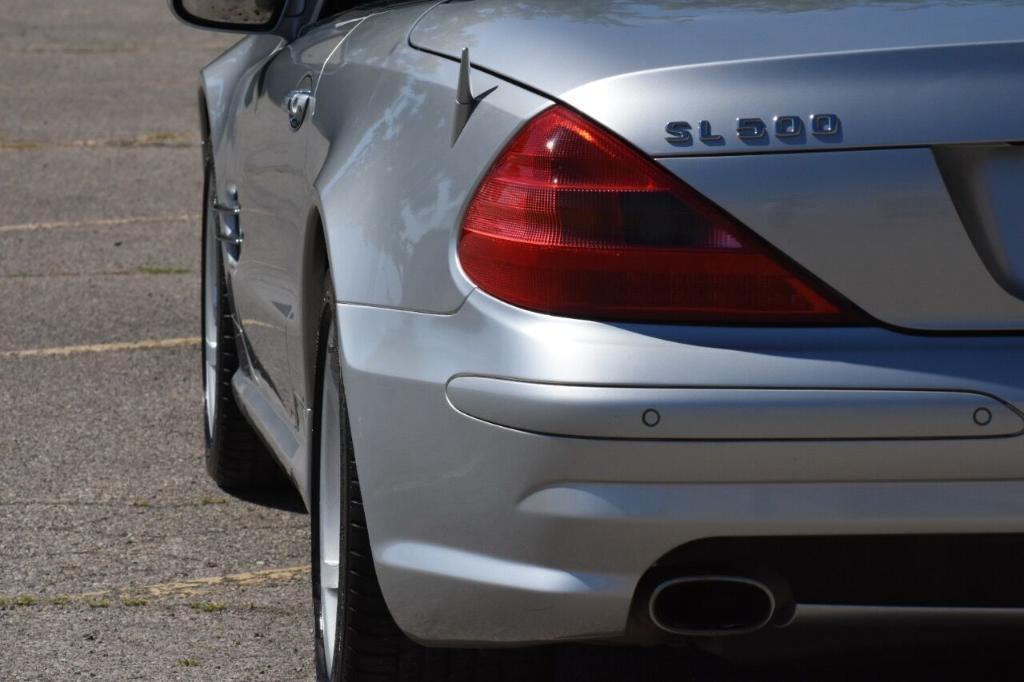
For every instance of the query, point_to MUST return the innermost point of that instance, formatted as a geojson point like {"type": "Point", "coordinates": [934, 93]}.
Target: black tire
{"type": "Point", "coordinates": [368, 646]}
{"type": "Point", "coordinates": [236, 458]}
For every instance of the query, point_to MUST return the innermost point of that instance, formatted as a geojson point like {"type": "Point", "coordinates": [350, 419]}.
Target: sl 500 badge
{"type": "Point", "coordinates": [681, 133]}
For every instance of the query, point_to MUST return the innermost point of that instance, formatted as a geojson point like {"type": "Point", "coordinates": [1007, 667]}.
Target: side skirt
{"type": "Point", "coordinates": [288, 447]}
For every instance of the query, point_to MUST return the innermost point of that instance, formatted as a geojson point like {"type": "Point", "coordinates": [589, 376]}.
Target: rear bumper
{"type": "Point", "coordinates": [489, 530]}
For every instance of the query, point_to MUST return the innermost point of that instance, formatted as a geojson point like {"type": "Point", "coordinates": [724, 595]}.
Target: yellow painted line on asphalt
{"type": "Point", "coordinates": [100, 222]}
{"type": "Point", "coordinates": [135, 596]}
{"type": "Point", "coordinates": [150, 344]}
{"type": "Point", "coordinates": [247, 579]}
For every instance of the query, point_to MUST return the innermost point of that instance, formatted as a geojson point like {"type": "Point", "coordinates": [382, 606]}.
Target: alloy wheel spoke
{"type": "Point", "coordinates": [329, 509]}
{"type": "Point", "coordinates": [211, 314]}
{"type": "Point", "coordinates": [329, 574]}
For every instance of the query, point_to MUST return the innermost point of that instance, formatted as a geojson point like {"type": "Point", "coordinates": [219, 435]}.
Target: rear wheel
{"type": "Point", "coordinates": [356, 638]}
{"type": "Point", "coordinates": [235, 457]}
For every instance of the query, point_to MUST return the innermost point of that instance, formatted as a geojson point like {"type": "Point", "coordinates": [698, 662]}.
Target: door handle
{"type": "Point", "coordinates": [297, 105]}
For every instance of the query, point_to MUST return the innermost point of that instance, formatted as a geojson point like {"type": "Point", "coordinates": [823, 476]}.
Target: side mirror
{"type": "Point", "coordinates": [246, 16]}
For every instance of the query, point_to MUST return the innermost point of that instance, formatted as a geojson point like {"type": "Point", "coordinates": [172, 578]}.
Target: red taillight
{"type": "Point", "coordinates": [572, 221]}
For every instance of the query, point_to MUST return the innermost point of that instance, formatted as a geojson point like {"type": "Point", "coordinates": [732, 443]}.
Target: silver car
{"type": "Point", "coordinates": [654, 322]}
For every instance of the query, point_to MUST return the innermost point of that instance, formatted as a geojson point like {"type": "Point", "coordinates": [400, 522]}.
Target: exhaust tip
{"type": "Point", "coordinates": [709, 605]}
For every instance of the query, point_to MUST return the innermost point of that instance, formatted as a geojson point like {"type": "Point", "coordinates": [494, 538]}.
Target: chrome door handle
{"type": "Point", "coordinates": [297, 105]}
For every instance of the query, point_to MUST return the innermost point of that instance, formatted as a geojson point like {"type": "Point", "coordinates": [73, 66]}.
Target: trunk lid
{"type": "Point", "coordinates": [894, 73]}
{"type": "Point", "coordinates": [917, 221]}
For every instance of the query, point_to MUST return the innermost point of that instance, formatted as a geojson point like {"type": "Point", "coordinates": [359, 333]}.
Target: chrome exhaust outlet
{"type": "Point", "coordinates": [711, 605]}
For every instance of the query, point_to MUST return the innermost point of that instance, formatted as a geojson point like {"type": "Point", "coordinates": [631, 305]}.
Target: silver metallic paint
{"type": "Point", "coordinates": [879, 226]}
{"type": "Point", "coordinates": [912, 100]}
{"type": "Point", "coordinates": [730, 414]}
{"type": "Point", "coordinates": [484, 533]}
{"type": "Point", "coordinates": [936, 70]}
{"type": "Point", "coordinates": [984, 183]}
{"type": "Point", "coordinates": [562, 528]}
{"type": "Point", "coordinates": [388, 253]}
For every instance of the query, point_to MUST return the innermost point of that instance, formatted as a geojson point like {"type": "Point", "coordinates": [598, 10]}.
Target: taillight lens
{"type": "Point", "coordinates": [572, 221]}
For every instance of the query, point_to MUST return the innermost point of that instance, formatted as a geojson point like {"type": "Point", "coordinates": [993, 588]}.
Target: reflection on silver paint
{"type": "Point", "coordinates": [985, 184]}
{"type": "Point", "coordinates": [879, 226]}
{"type": "Point", "coordinates": [403, 237]}
{"type": "Point", "coordinates": [342, 30]}
{"type": "Point", "coordinates": [908, 210]}
{"type": "Point", "coordinates": [449, 562]}
{"type": "Point", "coordinates": [635, 66]}
{"type": "Point", "coordinates": [730, 414]}
{"type": "Point", "coordinates": [564, 503]}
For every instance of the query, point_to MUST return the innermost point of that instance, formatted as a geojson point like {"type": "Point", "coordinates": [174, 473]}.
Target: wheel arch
{"type": "Point", "coordinates": [315, 262]}
{"type": "Point", "coordinates": [204, 124]}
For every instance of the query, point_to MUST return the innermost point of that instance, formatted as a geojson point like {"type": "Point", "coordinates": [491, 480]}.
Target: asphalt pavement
{"type": "Point", "coordinates": [119, 559]}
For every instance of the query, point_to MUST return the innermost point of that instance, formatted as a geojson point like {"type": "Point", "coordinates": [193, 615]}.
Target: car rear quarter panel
{"type": "Point", "coordinates": [389, 185]}
{"type": "Point", "coordinates": [392, 186]}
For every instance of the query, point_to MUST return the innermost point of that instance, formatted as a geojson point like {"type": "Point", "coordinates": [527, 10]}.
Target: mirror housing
{"type": "Point", "coordinates": [239, 16]}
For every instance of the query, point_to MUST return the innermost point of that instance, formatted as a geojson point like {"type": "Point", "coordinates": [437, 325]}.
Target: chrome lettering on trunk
{"type": "Point", "coordinates": [751, 130]}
